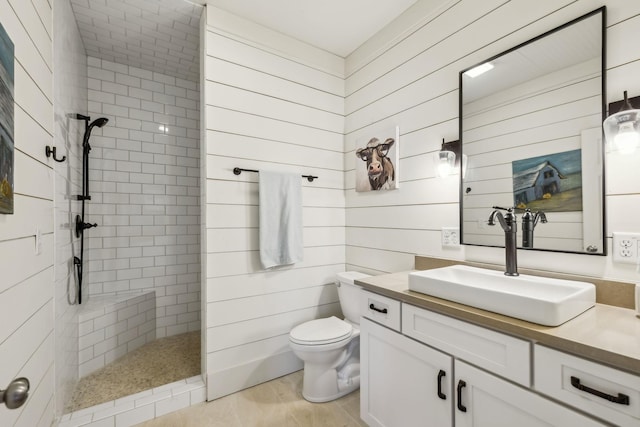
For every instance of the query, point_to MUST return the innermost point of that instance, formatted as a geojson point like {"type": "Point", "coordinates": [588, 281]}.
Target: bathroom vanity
{"type": "Point", "coordinates": [429, 361]}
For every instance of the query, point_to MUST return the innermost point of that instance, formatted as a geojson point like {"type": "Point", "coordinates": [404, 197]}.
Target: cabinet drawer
{"type": "Point", "coordinates": [381, 309]}
{"type": "Point", "coordinates": [599, 390]}
{"type": "Point", "coordinates": [498, 353]}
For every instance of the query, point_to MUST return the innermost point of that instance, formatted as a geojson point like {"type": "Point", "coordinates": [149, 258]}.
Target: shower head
{"type": "Point", "coordinates": [99, 122]}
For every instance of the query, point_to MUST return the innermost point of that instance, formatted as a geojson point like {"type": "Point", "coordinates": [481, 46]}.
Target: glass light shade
{"type": "Point", "coordinates": [622, 129]}
{"type": "Point", "coordinates": [445, 162]}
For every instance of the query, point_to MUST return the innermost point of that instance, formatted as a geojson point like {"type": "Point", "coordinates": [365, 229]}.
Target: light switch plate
{"type": "Point", "coordinates": [38, 242]}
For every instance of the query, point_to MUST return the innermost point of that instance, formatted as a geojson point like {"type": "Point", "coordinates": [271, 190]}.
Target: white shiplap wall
{"type": "Point", "coordinates": [26, 290]}
{"type": "Point", "coordinates": [408, 75]}
{"type": "Point", "coordinates": [273, 103]}
{"type": "Point", "coordinates": [70, 97]}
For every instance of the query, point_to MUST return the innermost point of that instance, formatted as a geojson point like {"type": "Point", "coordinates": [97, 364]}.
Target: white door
{"type": "Point", "coordinates": [484, 400]}
{"type": "Point", "coordinates": [403, 383]}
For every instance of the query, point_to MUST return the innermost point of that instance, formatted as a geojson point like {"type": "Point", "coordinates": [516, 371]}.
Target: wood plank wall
{"type": "Point", "coordinates": [26, 291]}
{"type": "Point", "coordinates": [407, 75]}
{"type": "Point", "coordinates": [269, 102]}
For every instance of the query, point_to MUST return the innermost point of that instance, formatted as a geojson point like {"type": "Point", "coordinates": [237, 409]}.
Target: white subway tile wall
{"type": "Point", "coordinates": [151, 34]}
{"type": "Point", "coordinates": [145, 190]}
{"type": "Point", "coordinates": [70, 97]}
{"type": "Point", "coordinates": [111, 326]}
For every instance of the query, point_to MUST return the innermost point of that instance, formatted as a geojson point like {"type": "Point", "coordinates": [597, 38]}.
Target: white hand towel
{"type": "Point", "coordinates": [280, 219]}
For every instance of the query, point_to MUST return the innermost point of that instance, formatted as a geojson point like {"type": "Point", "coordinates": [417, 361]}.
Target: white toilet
{"type": "Point", "coordinates": [330, 347]}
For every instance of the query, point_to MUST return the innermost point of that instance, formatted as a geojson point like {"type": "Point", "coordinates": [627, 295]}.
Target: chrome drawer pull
{"type": "Point", "coordinates": [622, 399]}
{"type": "Point", "coordinates": [379, 310]}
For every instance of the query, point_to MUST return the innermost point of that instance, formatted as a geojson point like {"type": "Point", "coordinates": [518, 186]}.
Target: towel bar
{"type": "Point", "coordinates": [238, 171]}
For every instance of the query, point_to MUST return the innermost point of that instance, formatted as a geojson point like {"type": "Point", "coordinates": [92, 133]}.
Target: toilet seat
{"type": "Point", "coordinates": [321, 331]}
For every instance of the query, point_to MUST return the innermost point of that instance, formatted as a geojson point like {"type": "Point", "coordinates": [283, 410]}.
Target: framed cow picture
{"type": "Point", "coordinates": [376, 160]}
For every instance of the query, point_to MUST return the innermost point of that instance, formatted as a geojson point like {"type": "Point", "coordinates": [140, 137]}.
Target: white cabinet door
{"type": "Point", "coordinates": [403, 383]}
{"type": "Point", "coordinates": [483, 400]}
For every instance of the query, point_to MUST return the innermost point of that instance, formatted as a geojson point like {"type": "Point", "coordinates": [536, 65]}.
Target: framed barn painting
{"type": "Point", "coordinates": [6, 121]}
{"type": "Point", "coordinates": [376, 160]}
{"type": "Point", "coordinates": [551, 183]}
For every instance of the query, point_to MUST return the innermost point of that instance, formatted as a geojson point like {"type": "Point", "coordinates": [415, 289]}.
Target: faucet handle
{"type": "Point", "coordinates": [503, 209]}
{"type": "Point", "coordinates": [542, 216]}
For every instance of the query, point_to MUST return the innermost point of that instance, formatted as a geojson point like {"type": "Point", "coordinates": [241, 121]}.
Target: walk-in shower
{"type": "Point", "coordinates": [80, 224]}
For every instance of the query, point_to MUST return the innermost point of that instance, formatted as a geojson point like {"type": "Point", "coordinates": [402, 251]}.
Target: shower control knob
{"type": "Point", "coordinates": [16, 393]}
{"type": "Point", "coordinates": [81, 225]}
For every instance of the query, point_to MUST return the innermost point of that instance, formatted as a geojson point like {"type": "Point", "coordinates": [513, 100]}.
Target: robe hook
{"type": "Point", "coordinates": [51, 152]}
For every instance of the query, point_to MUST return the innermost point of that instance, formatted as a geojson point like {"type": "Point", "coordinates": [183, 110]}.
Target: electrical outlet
{"type": "Point", "coordinates": [450, 236]}
{"type": "Point", "coordinates": [626, 247]}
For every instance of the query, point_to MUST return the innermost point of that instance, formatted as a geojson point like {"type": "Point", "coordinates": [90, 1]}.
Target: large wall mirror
{"type": "Point", "coordinates": [531, 130]}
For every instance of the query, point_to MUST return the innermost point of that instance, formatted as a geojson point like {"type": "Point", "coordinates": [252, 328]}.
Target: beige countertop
{"type": "Point", "coordinates": [604, 333]}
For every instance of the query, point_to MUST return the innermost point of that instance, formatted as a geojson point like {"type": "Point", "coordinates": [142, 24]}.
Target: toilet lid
{"type": "Point", "coordinates": [321, 331]}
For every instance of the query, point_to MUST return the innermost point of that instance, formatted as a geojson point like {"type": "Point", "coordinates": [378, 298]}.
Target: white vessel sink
{"type": "Point", "coordinates": [541, 300]}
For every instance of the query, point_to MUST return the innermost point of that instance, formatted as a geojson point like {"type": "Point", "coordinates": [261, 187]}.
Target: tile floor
{"type": "Point", "coordinates": [160, 362]}
{"type": "Point", "coordinates": [277, 403]}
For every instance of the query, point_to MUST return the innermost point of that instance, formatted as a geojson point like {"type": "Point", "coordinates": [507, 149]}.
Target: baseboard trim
{"type": "Point", "coordinates": [239, 377]}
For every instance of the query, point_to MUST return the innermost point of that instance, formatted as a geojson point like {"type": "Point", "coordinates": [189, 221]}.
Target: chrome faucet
{"type": "Point", "coordinates": [508, 224]}
{"type": "Point", "coordinates": [529, 222]}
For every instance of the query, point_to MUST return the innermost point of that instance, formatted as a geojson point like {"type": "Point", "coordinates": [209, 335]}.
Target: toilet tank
{"type": "Point", "coordinates": [349, 294]}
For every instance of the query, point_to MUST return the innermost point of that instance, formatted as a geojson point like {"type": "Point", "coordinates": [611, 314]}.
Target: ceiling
{"type": "Point", "coordinates": [162, 35]}
{"type": "Point", "coordinates": [158, 35]}
{"type": "Point", "coordinates": [337, 26]}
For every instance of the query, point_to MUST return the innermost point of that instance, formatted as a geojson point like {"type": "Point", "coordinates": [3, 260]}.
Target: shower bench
{"type": "Point", "coordinates": [111, 326]}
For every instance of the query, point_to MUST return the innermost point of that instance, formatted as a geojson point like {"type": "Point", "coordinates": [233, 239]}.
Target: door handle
{"type": "Point", "coordinates": [16, 393]}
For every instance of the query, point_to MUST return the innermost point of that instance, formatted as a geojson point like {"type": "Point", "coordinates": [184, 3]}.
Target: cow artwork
{"type": "Point", "coordinates": [378, 171]}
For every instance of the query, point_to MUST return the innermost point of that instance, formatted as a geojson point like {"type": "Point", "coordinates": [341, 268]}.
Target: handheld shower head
{"type": "Point", "coordinates": [100, 122]}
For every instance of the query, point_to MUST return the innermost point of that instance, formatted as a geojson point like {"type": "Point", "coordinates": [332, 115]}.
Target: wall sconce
{"type": "Point", "coordinates": [447, 160]}
{"type": "Point", "coordinates": [622, 129]}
